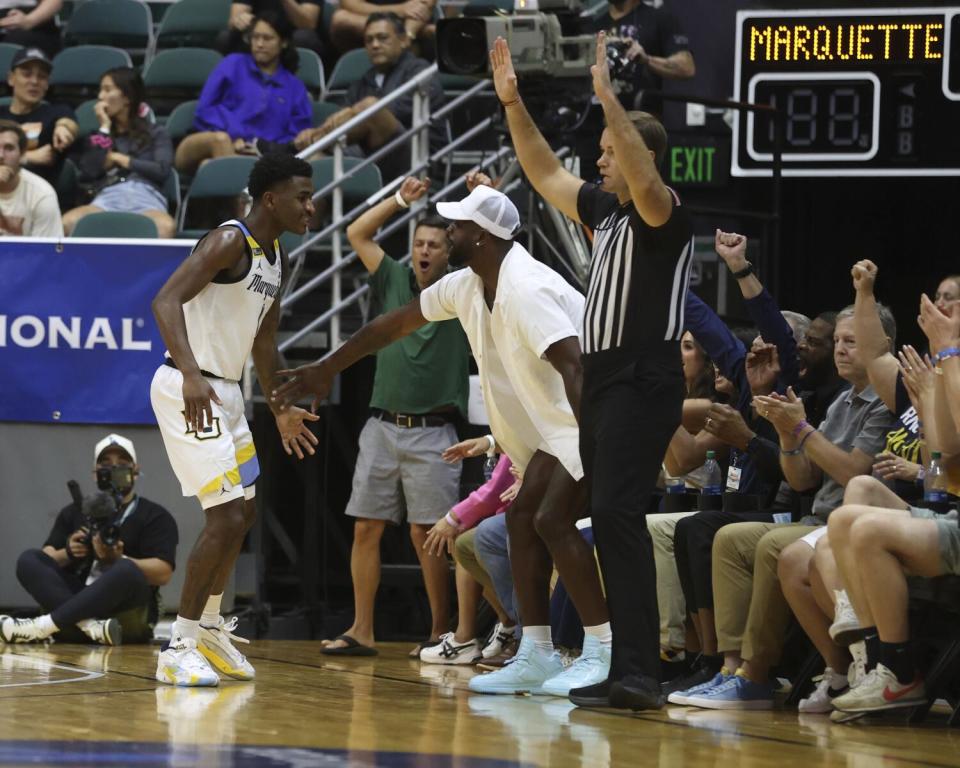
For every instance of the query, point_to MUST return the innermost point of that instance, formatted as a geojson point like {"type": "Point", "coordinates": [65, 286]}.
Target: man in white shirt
{"type": "Point", "coordinates": [28, 204]}
{"type": "Point", "coordinates": [523, 323]}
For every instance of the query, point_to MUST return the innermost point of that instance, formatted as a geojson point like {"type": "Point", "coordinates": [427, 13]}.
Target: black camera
{"type": "Point", "coordinates": [621, 67]}
{"type": "Point", "coordinates": [101, 512]}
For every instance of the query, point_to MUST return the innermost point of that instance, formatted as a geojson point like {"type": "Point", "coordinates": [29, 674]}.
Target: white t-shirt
{"type": "Point", "coordinates": [524, 394]}
{"type": "Point", "coordinates": [31, 210]}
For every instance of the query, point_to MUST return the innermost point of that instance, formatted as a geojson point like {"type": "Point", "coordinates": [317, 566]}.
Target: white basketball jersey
{"type": "Point", "coordinates": [223, 319]}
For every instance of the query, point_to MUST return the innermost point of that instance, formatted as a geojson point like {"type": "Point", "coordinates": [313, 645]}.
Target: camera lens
{"type": "Point", "coordinates": [462, 46]}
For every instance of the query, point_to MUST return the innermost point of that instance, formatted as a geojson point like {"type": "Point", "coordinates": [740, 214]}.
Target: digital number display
{"type": "Point", "coordinates": [867, 92]}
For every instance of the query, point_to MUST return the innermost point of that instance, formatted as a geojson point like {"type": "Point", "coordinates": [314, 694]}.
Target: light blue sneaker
{"type": "Point", "coordinates": [739, 692]}
{"type": "Point", "coordinates": [592, 667]}
{"type": "Point", "coordinates": [527, 673]}
{"type": "Point", "coordinates": [682, 697]}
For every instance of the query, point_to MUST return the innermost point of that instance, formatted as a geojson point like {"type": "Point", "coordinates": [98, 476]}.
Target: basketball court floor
{"type": "Point", "coordinates": [71, 705]}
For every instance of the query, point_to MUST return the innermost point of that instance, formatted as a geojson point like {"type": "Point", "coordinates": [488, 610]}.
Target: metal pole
{"type": "Point", "coordinates": [337, 250]}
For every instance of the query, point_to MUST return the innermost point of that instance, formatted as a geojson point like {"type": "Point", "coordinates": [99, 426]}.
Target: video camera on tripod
{"type": "Point", "coordinates": [102, 511]}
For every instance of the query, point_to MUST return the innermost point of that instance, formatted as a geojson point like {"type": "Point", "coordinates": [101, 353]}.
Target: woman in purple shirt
{"type": "Point", "coordinates": [249, 96]}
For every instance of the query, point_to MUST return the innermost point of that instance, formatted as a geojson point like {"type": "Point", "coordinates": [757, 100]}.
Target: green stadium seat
{"type": "Point", "coordinates": [178, 74]}
{"type": "Point", "coordinates": [310, 70]}
{"type": "Point", "coordinates": [87, 119]}
{"type": "Point", "coordinates": [322, 110]}
{"type": "Point", "coordinates": [77, 71]}
{"type": "Point", "coordinates": [348, 69]}
{"type": "Point", "coordinates": [7, 52]}
{"type": "Point", "coordinates": [220, 177]}
{"type": "Point", "coordinates": [180, 121]}
{"type": "Point", "coordinates": [193, 22]}
{"type": "Point", "coordinates": [122, 23]}
{"type": "Point", "coordinates": [114, 224]}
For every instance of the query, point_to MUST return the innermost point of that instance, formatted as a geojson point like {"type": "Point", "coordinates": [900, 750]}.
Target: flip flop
{"type": "Point", "coordinates": [352, 648]}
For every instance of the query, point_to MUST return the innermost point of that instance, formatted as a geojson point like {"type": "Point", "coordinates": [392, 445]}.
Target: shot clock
{"type": "Point", "coordinates": [861, 92]}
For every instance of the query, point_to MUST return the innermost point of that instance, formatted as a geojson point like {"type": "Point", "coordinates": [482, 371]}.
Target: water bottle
{"type": "Point", "coordinates": [489, 464]}
{"type": "Point", "coordinates": [714, 478]}
{"type": "Point", "coordinates": [675, 485]}
{"type": "Point", "coordinates": [935, 485]}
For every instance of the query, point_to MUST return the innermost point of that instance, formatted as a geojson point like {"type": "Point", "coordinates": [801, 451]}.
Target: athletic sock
{"type": "Point", "coordinates": [601, 632]}
{"type": "Point", "coordinates": [189, 629]}
{"type": "Point", "coordinates": [899, 659]}
{"type": "Point", "coordinates": [541, 637]}
{"type": "Point", "coordinates": [45, 625]}
{"type": "Point", "coordinates": [872, 640]}
{"type": "Point", "coordinates": [211, 611]}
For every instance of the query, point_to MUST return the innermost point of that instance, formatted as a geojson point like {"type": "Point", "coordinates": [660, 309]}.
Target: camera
{"type": "Point", "coordinates": [101, 511]}
{"type": "Point", "coordinates": [621, 67]}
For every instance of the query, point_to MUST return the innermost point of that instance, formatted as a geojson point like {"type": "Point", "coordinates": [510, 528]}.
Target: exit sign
{"type": "Point", "coordinates": [696, 160]}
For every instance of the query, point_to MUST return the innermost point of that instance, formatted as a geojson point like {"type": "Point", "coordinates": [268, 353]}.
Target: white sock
{"type": "Point", "coordinates": [45, 625]}
{"type": "Point", "coordinates": [211, 611]}
{"type": "Point", "coordinates": [186, 628]}
{"type": "Point", "coordinates": [540, 636]}
{"type": "Point", "coordinates": [601, 632]}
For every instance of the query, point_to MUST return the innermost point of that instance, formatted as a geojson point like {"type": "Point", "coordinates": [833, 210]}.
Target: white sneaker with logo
{"type": "Point", "coordinates": [104, 631]}
{"type": "Point", "coordinates": [449, 651]}
{"type": "Point", "coordinates": [215, 643]}
{"type": "Point", "coordinates": [182, 664]}
{"type": "Point", "coordinates": [846, 627]}
{"type": "Point", "coordinates": [22, 631]}
{"type": "Point", "coordinates": [829, 686]}
{"type": "Point", "coordinates": [500, 638]}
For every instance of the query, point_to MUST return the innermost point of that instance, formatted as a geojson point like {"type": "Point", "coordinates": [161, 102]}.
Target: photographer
{"type": "Point", "coordinates": [103, 561]}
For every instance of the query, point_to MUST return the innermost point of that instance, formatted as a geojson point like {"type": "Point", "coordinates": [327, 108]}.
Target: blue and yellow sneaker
{"type": "Point", "coordinates": [216, 646]}
{"type": "Point", "coordinates": [682, 697]}
{"type": "Point", "coordinates": [180, 663]}
{"type": "Point", "coordinates": [737, 692]}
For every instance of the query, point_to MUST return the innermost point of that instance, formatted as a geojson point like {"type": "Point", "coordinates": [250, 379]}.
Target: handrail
{"type": "Point", "coordinates": [394, 225]}
{"type": "Point", "coordinates": [331, 138]}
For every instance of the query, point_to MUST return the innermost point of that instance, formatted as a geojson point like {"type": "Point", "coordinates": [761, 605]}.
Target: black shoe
{"type": "Point", "coordinates": [636, 692]}
{"type": "Point", "coordinates": [705, 668]}
{"type": "Point", "coordinates": [673, 664]}
{"type": "Point", "coordinates": [596, 695]}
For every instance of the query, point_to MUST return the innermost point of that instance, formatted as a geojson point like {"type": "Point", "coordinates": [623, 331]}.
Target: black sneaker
{"type": "Point", "coordinates": [673, 664]}
{"type": "Point", "coordinates": [596, 695]}
{"type": "Point", "coordinates": [636, 693]}
{"type": "Point", "coordinates": [705, 668]}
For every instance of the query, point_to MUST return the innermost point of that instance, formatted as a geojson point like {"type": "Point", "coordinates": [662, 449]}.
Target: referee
{"type": "Point", "coordinates": [632, 380]}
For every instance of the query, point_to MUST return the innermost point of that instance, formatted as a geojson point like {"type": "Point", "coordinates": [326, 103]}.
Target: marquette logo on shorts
{"type": "Point", "coordinates": [56, 332]}
{"type": "Point", "coordinates": [258, 285]}
{"type": "Point", "coordinates": [210, 432]}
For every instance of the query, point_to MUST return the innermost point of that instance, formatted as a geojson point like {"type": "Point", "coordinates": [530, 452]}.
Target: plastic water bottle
{"type": "Point", "coordinates": [675, 485]}
{"type": "Point", "coordinates": [489, 464]}
{"type": "Point", "coordinates": [935, 484]}
{"type": "Point", "coordinates": [714, 482]}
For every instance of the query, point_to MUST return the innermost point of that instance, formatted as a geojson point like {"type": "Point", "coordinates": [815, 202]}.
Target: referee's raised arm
{"type": "Point", "coordinates": [636, 160]}
{"type": "Point", "coordinates": [555, 183]}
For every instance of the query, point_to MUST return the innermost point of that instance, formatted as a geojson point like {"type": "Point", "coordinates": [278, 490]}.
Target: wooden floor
{"type": "Point", "coordinates": [77, 705]}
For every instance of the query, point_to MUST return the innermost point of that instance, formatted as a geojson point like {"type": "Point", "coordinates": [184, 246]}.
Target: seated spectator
{"type": "Point", "coordinates": [386, 41]}
{"type": "Point", "coordinates": [303, 15]}
{"type": "Point", "coordinates": [107, 591]}
{"type": "Point", "coordinates": [249, 97]}
{"type": "Point", "coordinates": [31, 23]}
{"type": "Point", "coordinates": [125, 164]}
{"type": "Point", "coordinates": [349, 23]}
{"type": "Point", "coordinates": [28, 204]}
{"type": "Point", "coordinates": [655, 46]}
{"type": "Point", "coordinates": [50, 128]}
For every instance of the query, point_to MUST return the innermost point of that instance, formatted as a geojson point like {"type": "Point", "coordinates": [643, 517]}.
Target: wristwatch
{"type": "Point", "coordinates": [747, 270]}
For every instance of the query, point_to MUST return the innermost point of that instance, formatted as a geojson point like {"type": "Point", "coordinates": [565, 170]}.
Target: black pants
{"type": "Point", "coordinates": [693, 551]}
{"type": "Point", "coordinates": [627, 418]}
{"type": "Point", "coordinates": [63, 594]}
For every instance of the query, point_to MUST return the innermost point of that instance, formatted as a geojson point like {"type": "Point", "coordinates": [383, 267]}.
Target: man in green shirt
{"type": "Point", "coordinates": [420, 386]}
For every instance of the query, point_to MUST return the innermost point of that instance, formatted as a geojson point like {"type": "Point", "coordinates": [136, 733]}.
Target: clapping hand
{"type": "Point", "coordinates": [919, 375]}
{"type": "Point", "coordinates": [762, 367]}
{"type": "Point", "coordinates": [942, 330]}
{"type": "Point", "coordinates": [785, 413]}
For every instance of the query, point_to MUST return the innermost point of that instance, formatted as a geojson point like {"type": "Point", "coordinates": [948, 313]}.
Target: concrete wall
{"type": "Point", "coordinates": [36, 460]}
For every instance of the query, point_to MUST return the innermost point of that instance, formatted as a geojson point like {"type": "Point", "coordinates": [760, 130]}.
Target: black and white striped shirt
{"type": "Point", "coordinates": [638, 277]}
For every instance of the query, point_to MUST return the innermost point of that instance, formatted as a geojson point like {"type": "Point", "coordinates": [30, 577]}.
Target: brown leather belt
{"type": "Point", "coordinates": [409, 420]}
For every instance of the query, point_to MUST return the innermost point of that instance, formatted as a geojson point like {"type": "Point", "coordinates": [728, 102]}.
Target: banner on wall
{"type": "Point", "coordinates": [78, 342]}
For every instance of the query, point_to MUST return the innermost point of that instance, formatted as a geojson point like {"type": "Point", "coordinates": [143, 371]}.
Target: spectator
{"type": "Point", "coordinates": [385, 39]}
{"type": "Point", "coordinates": [28, 204]}
{"type": "Point", "coordinates": [50, 128]}
{"type": "Point", "coordinates": [249, 97]}
{"type": "Point", "coordinates": [654, 47]}
{"type": "Point", "coordinates": [127, 161]}
{"type": "Point", "coordinates": [107, 591]}
{"type": "Point", "coordinates": [31, 23]}
{"type": "Point", "coordinates": [303, 15]}
{"type": "Point", "coordinates": [348, 26]}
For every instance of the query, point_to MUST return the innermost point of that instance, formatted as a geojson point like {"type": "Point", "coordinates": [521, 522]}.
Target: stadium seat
{"type": "Point", "coordinates": [171, 191]}
{"type": "Point", "coordinates": [322, 110]}
{"type": "Point", "coordinates": [310, 70]}
{"type": "Point", "coordinates": [180, 121]}
{"type": "Point", "coordinates": [220, 177]}
{"type": "Point", "coordinates": [113, 224]}
{"type": "Point", "coordinates": [87, 118]}
{"type": "Point", "coordinates": [77, 71]}
{"type": "Point", "coordinates": [193, 22]}
{"type": "Point", "coordinates": [178, 74]}
{"type": "Point", "coordinates": [348, 69]}
{"type": "Point", "coordinates": [357, 188]}
{"type": "Point", "coordinates": [122, 23]}
{"type": "Point", "coordinates": [7, 52]}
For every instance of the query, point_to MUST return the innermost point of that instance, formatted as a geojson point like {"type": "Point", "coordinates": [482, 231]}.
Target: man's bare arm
{"type": "Point", "coordinates": [564, 356]}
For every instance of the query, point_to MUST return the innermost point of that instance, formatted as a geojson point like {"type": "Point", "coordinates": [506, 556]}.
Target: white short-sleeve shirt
{"type": "Point", "coordinates": [525, 397]}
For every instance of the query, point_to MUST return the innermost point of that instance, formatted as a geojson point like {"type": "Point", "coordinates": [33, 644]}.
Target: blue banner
{"type": "Point", "coordinates": [78, 342]}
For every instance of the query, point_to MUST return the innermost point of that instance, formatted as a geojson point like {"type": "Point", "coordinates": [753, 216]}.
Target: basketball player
{"type": "Point", "coordinates": [218, 307]}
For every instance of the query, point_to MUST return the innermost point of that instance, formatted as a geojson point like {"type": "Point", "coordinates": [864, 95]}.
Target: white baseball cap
{"type": "Point", "coordinates": [488, 208]}
{"type": "Point", "coordinates": [112, 440]}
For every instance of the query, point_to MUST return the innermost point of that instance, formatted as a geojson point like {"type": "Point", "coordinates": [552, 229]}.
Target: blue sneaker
{"type": "Point", "coordinates": [592, 667]}
{"type": "Point", "coordinates": [683, 697]}
{"type": "Point", "coordinates": [738, 692]}
{"type": "Point", "coordinates": [527, 673]}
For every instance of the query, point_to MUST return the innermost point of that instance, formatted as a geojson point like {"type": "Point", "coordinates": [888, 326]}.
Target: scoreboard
{"type": "Point", "coordinates": [861, 92]}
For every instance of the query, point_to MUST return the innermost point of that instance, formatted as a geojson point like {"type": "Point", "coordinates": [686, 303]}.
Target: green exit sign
{"type": "Point", "coordinates": [697, 161]}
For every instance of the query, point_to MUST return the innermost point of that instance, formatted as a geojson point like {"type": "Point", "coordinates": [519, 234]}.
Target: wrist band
{"type": "Point", "coordinates": [799, 449]}
{"type": "Point", "coordinates": [400, 201]}
{"type": "Point", "coordinates": [510, 103]}
{"type": "Point", "coordinates": [449, 518]}
{"type": "Point", "coordinates": [802, 425]}
{"type": "Point", "coordinates": [949, 352]}
{"type": "Point", "coordinates": [747, 270]}
{"type": "Point", "coordinates": [491, 444]}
